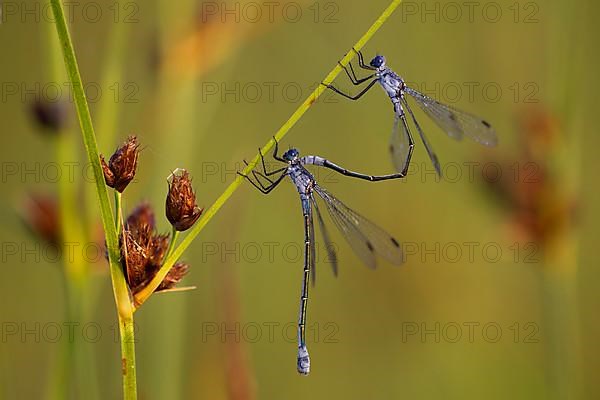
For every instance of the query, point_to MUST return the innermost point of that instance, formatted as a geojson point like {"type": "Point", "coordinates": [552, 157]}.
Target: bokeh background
{"type": "Point", "coordinates": [498, 295]}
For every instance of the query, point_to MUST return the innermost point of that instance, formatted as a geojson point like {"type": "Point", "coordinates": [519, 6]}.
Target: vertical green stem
{"type": "Point", "coordinates": [126, 325]}
{"type": "Point", "coordinates": [560, 318]}
{"type": "Point", "coordinates": [560, 276]}
{"type": "Point", "coordinates": [79, 373]}
{"type": "Point", "coordinates": [128, 370]}
{"type": "Point", "coordinates": [59, 385]}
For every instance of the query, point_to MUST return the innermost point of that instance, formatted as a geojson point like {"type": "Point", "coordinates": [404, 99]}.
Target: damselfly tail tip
{"type": "Point", "coordinates": [303, 360]}
{"type": "Point", "coordinates": [492, 141]}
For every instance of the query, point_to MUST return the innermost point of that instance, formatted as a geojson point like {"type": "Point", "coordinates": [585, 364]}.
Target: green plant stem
{"type": "Point", "coordinates": [128, 369]}
{"type": "Point", "coordinates": [108, 106]}
{"type": "Point", "coordinates": [89, 140]}
{"type": "Point", "coordinates": [59, 385]}
{"type": "Point", "coordinates": [76, 272]}
{"type": "Point", "coordinates": [174, 236]}
{"type": "Point", "coordinates": [559, 278]}
{"type": "Point", "coordinates": [118, 211]}
{"type": "Point", "coordinates": [126, 323]}
{"type": "Point", "coordinates": [76, 371]}
{"type": "Point", "coordinates": [120, 289]}
{"type": "Point", "coordinates": [112, 73]}
{"type": "Point", "coordinates": [147, 291]}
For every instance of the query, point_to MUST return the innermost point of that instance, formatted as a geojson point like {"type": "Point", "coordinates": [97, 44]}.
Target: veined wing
{"type": "Point", "coordinates": [454, 122]}
{"type": "Point", "coordinates": [365, 238]}
{"type": "Point", "coordinates": [400, 143]}
{"type": "Point", "coordinates": [331, 255]}
{"type": "Point", "coordinates": [432, 156]}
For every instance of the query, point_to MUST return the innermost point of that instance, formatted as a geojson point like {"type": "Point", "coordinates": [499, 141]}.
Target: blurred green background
{"type": "Point", "coordinates": [202, 88]}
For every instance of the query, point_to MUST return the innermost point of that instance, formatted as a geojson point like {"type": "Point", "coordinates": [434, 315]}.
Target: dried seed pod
{"type": "Point", "coordinates": [141, 221]}
{"type": "Point", "coordinates": [181, 208]}
{"type": "Point", "coordinates": [143, 251]}
{"type": "Point", "coordinates": [120, 169]}
{"type": "Point", "coordinates": [176, 273]}
{"type": "Point", "coordinates": [157, 250]}
{"type": "Point", "coordinates": [138, 247]}
{"type": "Point", "coordinates": [40, 215]}
{"type": "Point", "coordinates": [134, 259]}
{"type": "Point", "coordinates": [53, 116]}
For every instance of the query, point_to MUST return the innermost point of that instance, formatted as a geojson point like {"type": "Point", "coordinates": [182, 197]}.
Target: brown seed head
{"type": "Point", "coordinates": [157, 250]}
{"type": "Point", "coordinates": [120, 169]}
{"type": "Point", "coordinates": [143, 251]}
{"type": "Point", "coordinates": [141, 221]}
{"type": "Point", "coordinates": [181, 208]}
{"type": "Point", "coordinates": [134, 256]}
{"type": "Point", "coordinates": [539, 209]}
{"type": "Point", "coordinates": [176, 273]}
{"type": "Point", "coordinates": [41, 216]}
{"type": "Point", "coordinates": [52, 116]}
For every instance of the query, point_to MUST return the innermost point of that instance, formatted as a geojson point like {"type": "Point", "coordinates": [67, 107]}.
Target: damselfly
{"type": "Point", "coordinates": [365, 238]}
{"type": "Point", "coordinates": [454, 122]}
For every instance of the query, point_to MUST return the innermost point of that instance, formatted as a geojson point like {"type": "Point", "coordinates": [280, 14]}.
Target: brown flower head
{"type": "Point", "coordinates": [158, 248]}
{"type": "Point", "coordinates": [134, 256]}
{"type": "Point", "coordinates": [121, 167]}
{"type": "Point", "coordinates": [53, 116]}
{"type": "Point", "coordinates": [40, 215]}
{"type": "Point", "coordinates": [176, 273]}
{"type": "Point", "coordinates": [143, 251]}
{"type": "Point", "coordinates": [181, 208]}
{"type": "Point", "coordinates": [141, 221]}
{"type": "Point", "coordinates": [136, 245]}
{"type": "Point", "coordinates": [538, 207]}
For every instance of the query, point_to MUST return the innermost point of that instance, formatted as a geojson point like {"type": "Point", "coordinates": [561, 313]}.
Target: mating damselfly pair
{"type": "Point", "coordinates": [365, 238]}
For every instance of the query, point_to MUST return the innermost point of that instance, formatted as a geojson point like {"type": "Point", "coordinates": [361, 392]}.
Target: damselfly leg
{"type": "Point", "coordinates": [265, 189]}
{"type": "Point", "coordinates": [432, 156]}
{"type": "Point", "coordinates": [349, 96]}
{"type": "Point", "coordinates": [320, 161]}
{"type": "Point", "coordinates": [361, 60]}
{"type": "Point", "coordinates": [401, 142]}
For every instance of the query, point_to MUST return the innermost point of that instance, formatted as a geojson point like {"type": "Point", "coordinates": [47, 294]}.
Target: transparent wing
{"type": "Point", "coordinates": [399, 143]}
{"type": "Point", "coordinates": [454, 122]}
{"type": "Point", "coordinates": [432, 156]}
{"type": "Point", "coordinates": [365, 238]}
{"type": "Point", "coordinates": [331, 255]}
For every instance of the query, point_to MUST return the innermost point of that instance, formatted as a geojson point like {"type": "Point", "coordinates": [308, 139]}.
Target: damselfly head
{"type": "Point", "coordinates": [291, 155]}
{"type": "Point", "coordinates": [378, 62]}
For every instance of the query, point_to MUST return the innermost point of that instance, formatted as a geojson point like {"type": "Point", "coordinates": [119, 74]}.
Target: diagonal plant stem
{"type": "Point", "coordinates": [145, 293]}
{"type": "Point", "coordinates": [120, 289]}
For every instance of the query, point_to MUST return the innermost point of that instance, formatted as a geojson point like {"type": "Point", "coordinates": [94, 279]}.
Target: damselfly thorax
{"type": "Point", "coordinates": [392, 83]}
